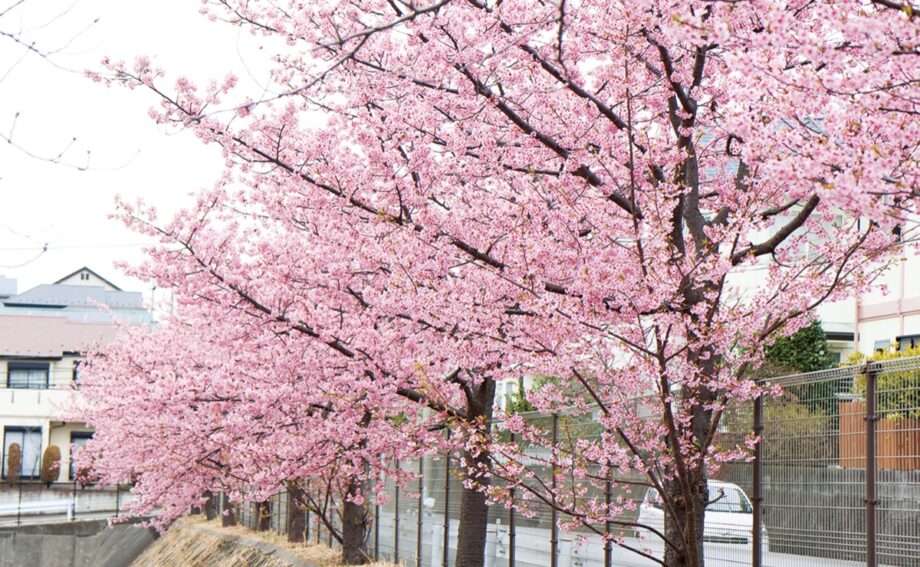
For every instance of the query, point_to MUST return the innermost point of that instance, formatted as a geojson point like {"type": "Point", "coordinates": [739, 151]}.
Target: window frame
{"type": "Point", "coordinates": [24, 429]}
{"type": "Point", "coordinates": [72, 473]}
{"type": "Point", "coordinates": [15, 365]}
{"type": "Point", "coordinates": [914, 341]}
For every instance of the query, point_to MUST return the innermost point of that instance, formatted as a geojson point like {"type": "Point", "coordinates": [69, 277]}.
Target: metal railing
{"type": "Point", "coordinates": [37, 503]}
{"type": "Point", "coordinates": [834, 482]}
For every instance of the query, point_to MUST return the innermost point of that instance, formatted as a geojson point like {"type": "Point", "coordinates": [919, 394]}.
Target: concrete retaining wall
{"type": "Point", "coordinates": [74, 544]}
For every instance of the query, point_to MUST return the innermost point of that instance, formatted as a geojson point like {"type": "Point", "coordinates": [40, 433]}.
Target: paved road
{"type": "Point", "coordinates": [736, 556]}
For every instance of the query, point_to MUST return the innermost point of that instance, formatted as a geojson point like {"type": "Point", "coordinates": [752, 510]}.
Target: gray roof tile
{"type": "Point", "coordinates": [56, 295]}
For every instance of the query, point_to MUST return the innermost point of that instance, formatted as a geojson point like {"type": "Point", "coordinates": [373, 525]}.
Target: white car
{"type": "Point", "coordinates": [729, 518]}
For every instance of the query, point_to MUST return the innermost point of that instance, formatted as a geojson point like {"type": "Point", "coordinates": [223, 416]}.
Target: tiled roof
{"type": "Point", "coordinates": [57, 295]}
{"type": "Point", "coordinates": [50, 336]}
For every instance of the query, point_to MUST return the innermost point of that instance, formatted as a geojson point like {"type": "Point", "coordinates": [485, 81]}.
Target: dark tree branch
{"type": "Point", "coordinates": [772, 243]}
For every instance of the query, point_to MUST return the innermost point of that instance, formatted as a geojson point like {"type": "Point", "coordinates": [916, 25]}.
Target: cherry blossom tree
{"type": "Point", "coordinates": [208, 417]}
{"type": "Point", "coordinates": [634, 196]}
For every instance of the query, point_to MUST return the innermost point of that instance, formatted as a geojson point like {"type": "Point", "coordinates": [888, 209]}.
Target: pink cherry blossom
{"type": "Point", "coordinates": [634, 197]}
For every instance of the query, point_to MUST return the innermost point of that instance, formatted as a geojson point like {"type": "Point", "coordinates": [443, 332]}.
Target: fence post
{"type": "Point", "coordinates": [554, 529]}
{"type": "Point", "coordinates": [511, 531]}
{"type": "Point", "coordinates": [19, 504]}
{"type": "Point", "coordinates": [757, 559]}
{"type": "Point", "coordinates": [421, 503]}
{"type": "Point", "coordinates": [445, 552]}
{"type": "Point", "coordinates": [396, 521]}
{"type": "Point", "coordinates": [377, 525]}
{"type": "Point", "coordinates": [871, 501]}
{"type": "Point", "coordinates": [73, 503]}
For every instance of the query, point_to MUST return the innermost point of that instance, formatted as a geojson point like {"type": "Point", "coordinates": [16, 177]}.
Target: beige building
{"type": "Point", "coordinates": [43, 334]}
{"type": "Point", "coordinates": [892, 319]}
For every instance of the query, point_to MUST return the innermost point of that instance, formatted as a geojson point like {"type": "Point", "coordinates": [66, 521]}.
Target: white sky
{"type": "Point", "coordinates": [66, 208]}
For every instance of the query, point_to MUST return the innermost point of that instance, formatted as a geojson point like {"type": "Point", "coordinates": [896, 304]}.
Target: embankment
{"type": "Point", "coordinates": [196, 544]}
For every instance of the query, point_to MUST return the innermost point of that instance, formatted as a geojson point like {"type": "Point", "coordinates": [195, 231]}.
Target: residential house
{"type": "Point", "coordinates": [44, 333]}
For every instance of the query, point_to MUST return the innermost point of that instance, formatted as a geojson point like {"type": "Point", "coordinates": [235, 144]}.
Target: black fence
{"type": "Point", "coordinates": [835, 482]}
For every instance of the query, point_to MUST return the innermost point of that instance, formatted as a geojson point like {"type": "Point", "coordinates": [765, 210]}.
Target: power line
{"type": "Point", "coordinates": [49, 247]}
{"type": "Point", "coordinates": [41, 253]}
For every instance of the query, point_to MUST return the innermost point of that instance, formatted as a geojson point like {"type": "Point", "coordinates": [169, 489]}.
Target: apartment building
{"type": "Point", "coordinates": [889, 316]}
{"type": "Point", "coordinates": [44, 333]}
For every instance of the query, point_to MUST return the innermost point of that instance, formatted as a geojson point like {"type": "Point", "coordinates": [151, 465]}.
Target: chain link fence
{"type": "Point", "coordinates": [835, 482]}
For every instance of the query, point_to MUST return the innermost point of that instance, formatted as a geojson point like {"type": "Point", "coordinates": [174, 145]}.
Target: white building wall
{"type": "Point", "coordinates": [886, 287]}
{"type": "Point", "coordinates": [886, 316]}
{"type": "Point", "coordinates": [873, 333]}
{"type": "Point", "coordinates": [41, 408]}
{"type": "Point", "coordinates": [86, 277]}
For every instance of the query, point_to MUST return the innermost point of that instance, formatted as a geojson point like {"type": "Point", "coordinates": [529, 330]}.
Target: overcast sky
{"type": "Point", "coordinates": [60, 205]}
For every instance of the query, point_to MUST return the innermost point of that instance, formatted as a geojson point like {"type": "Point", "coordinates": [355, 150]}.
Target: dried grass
{"type": "Point", "coordinates": [318, 553]}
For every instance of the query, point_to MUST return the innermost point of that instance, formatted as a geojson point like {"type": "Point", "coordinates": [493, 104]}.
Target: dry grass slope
{"type": "Point", "coordinates": [194, 542]}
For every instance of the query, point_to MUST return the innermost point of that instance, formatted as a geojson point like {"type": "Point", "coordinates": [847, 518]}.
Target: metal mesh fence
{"type": "Point", "coordinates": [835, 482]}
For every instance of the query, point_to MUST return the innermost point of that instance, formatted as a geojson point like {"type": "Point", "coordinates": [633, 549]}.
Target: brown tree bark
{"type": "Point", "coordinates": [296, 520]}
{"type": "Point", "coordinates": [263, 516]}
{"type": "Point", "coordinates": [687, 495]}
{"type": "Point", "coordinates": [683, 524]}
{"type": "Point", "coordinates": [474, 512]}
{"type": "Point", "coordinates": [210, 508]}
{"type": "Point", "coordinates": [228, 519]}
{"type": "Point", "coordinates": [354, 529]}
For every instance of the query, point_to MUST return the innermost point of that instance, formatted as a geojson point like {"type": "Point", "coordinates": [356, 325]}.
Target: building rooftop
{"type": "Point", "coordinates": [49, 336]}
{"type": "Point", "coordinates": [7, 287]}
{"type": "Point", "coordinates": [61, 295]}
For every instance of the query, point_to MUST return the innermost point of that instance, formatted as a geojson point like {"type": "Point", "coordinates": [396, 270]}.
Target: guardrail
{"type": "Point", "coordinates": [36, 503]}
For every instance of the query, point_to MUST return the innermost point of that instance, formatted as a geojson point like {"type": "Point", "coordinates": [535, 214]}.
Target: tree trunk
{"type": "Point", "coordinates": [684, 528]}
{"type": "Point", "coordinates": [209, 507]}
{"type": "Point", "coordinates": [229, 517]}
{"type": "Point", "coordinates": [474, 513]}
{"type": "Point", "coordinates": [296, 520]}
{"type": "Point", "coordinates": [689, 513]}
{"type": "Point", "coordinates": [354, 528]}
{"type": "Point", "coordinates": [263, 516]}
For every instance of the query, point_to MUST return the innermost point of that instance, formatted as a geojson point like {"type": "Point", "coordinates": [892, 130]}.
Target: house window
{"type": "Point", "coordinates": [27, 375]}
{"type": "Point", "coordinates": [77, 440]}
{"type": "Point", "coordinates": [908, 341]}
{"type": "Point", "coordinates": [29, 440]}
{"type": "Point", "coordinates": [882, 346]}
{"type": "Point", "coordinates": [76, 369]}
